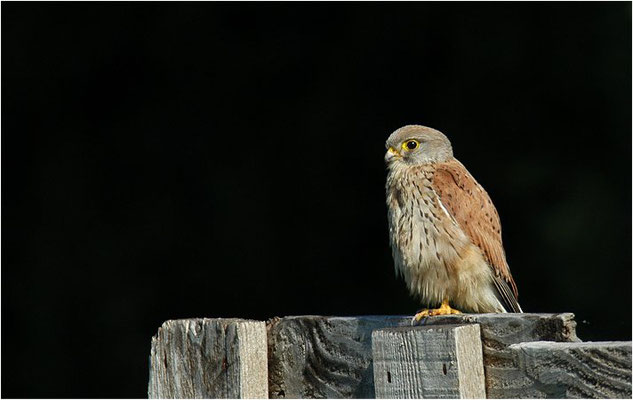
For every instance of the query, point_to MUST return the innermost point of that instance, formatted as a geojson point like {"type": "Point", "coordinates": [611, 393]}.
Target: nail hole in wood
{"type": "Point", "coordinates": [388, 377]}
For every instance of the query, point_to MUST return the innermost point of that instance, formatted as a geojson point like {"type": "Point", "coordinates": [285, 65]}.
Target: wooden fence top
{"type": "Point", "coordinates": [310, 356]}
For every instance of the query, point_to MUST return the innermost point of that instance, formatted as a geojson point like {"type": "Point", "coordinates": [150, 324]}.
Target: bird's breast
{"type": "Point", "coordinates": [426, 243]}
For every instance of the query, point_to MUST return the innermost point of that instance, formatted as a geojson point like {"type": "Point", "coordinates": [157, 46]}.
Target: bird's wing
{"type": "Point", "coordinates": [471, 207]}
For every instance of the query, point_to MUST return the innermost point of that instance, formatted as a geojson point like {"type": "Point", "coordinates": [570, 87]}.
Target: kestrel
{"type": "Point", "coordinates": [444, 230]}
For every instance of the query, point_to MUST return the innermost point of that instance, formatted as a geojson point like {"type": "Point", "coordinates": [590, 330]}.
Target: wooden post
{"type": "Point", "coordinates": [323, 357]}
{"type": "Point", "coordinates": [499, 331]}
{"type": "Point", "coordinates": [209, 358]}
{"type": "Point", "coordinates": [574, 370]}
{"type": "Point", "coordinates": [438, 362]}
{"type": "Point", "coordinates": [316, 356]}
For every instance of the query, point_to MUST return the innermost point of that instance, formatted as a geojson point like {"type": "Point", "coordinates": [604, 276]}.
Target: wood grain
{"type": "Point", "coordinates": [323, 357]}
{"type": "Point", "coordinates": [317, 356]}
{"type": "Point", "coordinates": [499, 331]}
{"type": "Point", "coordinates": [209, 358]}
{"type": "Point", "coordinates": [574, 370]}
{"type": "Point", "coordinates": [440, 362]}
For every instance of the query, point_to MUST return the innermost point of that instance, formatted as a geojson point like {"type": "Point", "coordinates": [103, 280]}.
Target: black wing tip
{"type": "Point", "coordinates": [506, 295]}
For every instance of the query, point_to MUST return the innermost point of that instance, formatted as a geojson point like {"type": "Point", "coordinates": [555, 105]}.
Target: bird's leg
{"type": "Point", "coordinates": [444, 309]}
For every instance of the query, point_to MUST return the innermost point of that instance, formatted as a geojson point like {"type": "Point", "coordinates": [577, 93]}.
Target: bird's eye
{"type": "Point", "coordinates": [410, 144]}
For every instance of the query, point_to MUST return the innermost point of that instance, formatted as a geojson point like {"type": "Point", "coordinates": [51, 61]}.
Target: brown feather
{"type": "Point", "coordinates": [469, 204]}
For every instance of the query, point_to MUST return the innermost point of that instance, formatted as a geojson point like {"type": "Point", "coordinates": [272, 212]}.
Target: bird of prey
{"type": "Point", "coordinates": [444, 230]}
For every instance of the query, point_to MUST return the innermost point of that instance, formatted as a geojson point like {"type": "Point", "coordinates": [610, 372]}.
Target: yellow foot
{"type": "Point", "coordinates": [445, 309]}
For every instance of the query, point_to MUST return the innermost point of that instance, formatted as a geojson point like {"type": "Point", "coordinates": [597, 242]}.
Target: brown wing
{"type": "Point", "coordinates": [472, 209]}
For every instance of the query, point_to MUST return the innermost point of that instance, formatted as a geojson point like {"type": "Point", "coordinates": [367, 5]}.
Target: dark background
{"type": "Point", "coordinates": [166, 161]}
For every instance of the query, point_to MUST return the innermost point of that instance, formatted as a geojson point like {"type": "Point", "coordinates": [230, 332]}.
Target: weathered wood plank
{"type": "Point", "coordinates": [316, 356]}
{"type": "Point", "coordinates": [574, 370]}
{"type": "Point", "coordinates": [499, 331]}
{"type": "Point", "coordinates": [323, 357]}
{"type": "Point", "coordinates": [209, 358]}
{"type": "Point", "coordinates": [438, 362]}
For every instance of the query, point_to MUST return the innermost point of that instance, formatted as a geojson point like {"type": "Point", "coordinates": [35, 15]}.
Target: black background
{"type": "Point", "coordinates": [167, 160]}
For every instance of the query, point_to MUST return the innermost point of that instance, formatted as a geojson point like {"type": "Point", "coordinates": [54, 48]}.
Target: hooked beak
{"type": "Point", "coordinates": [391, 153]}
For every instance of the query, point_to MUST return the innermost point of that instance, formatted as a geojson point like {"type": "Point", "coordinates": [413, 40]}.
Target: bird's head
{"type": "Point", "coordinates": [417, 144]}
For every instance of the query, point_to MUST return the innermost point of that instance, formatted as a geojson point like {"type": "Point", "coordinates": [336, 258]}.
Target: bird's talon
{"type": "Point", "coordinates": [444, 309]}
{"type": "Point", "coordinates": [421, 316]}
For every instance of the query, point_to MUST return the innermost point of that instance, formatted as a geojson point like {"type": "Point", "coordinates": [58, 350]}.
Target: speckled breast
{"type": "Point", "coordinates": [424, 241]}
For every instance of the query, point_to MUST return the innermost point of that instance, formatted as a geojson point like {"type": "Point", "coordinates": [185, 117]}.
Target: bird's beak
{"type": "Point", "coordinates": [391, 153]}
